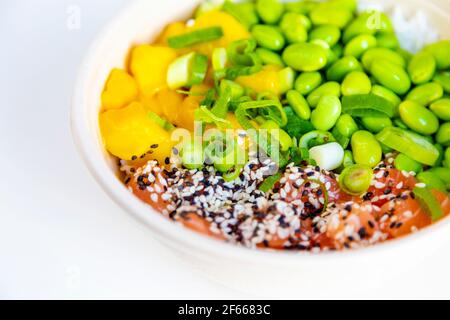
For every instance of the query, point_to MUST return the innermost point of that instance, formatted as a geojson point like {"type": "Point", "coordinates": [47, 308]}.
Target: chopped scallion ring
{"type": "Point", "coordinates": [187, 71]}
{"type": "Point", "coordinates": [195, 37]}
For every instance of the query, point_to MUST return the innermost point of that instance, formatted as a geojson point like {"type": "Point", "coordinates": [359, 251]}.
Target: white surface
{"type": "Point", "coordinates": [60, 235]}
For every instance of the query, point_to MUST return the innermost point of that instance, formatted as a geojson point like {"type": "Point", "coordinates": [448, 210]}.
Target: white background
{"type": "Point", "coordinates": [60, 235]}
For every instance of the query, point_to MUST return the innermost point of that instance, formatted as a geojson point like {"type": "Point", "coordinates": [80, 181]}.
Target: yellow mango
{"type": "Point", "coordinates": [170, 103]}
{"type": "Point", "coordinates": [232, 29]}
{"type": "Point", "coordinates": [172, 29]}
{"type": "Point", "coordinates": [129, 133]}
{"type": "Point", "coordinates": [267, 80]}
{"type": "Point", "coordinates": [149, 66]}
{"type": "Point", "coordinates": [120, 90]}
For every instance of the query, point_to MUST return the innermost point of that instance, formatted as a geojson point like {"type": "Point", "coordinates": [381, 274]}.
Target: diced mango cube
{"type": "Point", "coordinates": [120, 90]}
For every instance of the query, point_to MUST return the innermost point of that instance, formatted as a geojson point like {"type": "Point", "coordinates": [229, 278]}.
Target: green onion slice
{"type": "Point", "coordinates": [411, 144]}
{"type": "Point", "coordinates": [205, 115]}
{"type": "Point", "coordinates": [270, 182]}
{"type": "Point", "coordinates": [429, 202]}
{"type": "Point", "coordinates": [195, 37]}
{"type": "Point", "coordinates": [367, 105]}
{"type": "Point", "coordinates": [163, 123]}
{"type": "Point", "coordinates": [269, 109]}
{"type": "Point", "coordinates": [187, 71]}
{"type": "Point", "coordinates": [233, 175]}
{"type": "Point", "coordinates": [315, 138]}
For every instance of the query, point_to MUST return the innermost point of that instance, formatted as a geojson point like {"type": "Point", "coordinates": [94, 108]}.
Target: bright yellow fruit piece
{"type": "Point", "coordinates": [149, 66]}
{"type": "Point", "coordinates": [129, 132]}
{"type": "Point", "coordinates": [267, 80]}
{"type": "Point", "coordinates": [173, 29]}
{"type": "Point", "coordinates": [120, 90]}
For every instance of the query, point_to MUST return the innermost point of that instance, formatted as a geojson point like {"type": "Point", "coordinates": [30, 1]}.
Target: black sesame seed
{"type": "Point", "coordinates": [134, 158]}
{"type": "Point", "coordinates": [154, 146]}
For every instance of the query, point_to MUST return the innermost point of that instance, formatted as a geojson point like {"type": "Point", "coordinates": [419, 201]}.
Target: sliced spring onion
{"type": "Point", "coordinates": [195, 37]}
{"type": "Point", "coordinates": [411, 144]}
{"type": "Point", "coordinates": [205, 115]}
{"type": "Point", "coordinates": [219, 59]}
{"type": "Point", "coordinates": [367, 105]}
{"type": "Point", "coordinates": [244, 12]}
{"type": "Point", "coordinates": [233, 175]}
{"type": "Point", "coordinates": [315, 138]}
{"type": "Point", "coordinates": [166, 125]}
{"type": "Point", "coordinates": [340, 138]}
{"type": "Point", "coordinates": [220, 108]}
{"type": "Point", "coordinates": [328, 156]}
{"type": "Point", "coordinates": [296, 126]}
{"type": "Point", "coordinates": [429, 202]}
{"type": "Point", "coordinates": [269, 109]}
{"type": "Point", "coordinates": [245, 61]}
{"type": "Point", "coordinates": [356, 179]}
{"type": "Point", "coordinates": [187, 71]}
{"type": "Point", "coordinates": [270, 182]}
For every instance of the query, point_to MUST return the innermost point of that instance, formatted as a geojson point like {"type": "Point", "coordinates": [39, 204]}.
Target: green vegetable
{"type": "Point", "coordinates": [326, 114]}
{"type": "Point", "coordinates": [327, 89]}
{"type": "Point", "coordinates": [269, 109]}
{"type": "Point", "coordinates": [429, 203]}
{"type": "Point", "coordinates": [328, 156]}
{"type": "Point", "coordinates": [163, 123]}
{"type": "Point", "coordinates": [195, 37]}
{"type": "Point", "coordinates": [418, 118]}
{"type": "Point", "coordinates": [376, 124]}
{"type": "Point", "coordinates": [426, 93]}
{"type": "Point", "coordinates": [284, 139]}
{"type": "Point", "coordinates": [315, 138]}
{"type": "Point", "coordinates": [346, 125]}
{"type": "Point", "coordinates": [441, 108]}
{"type": "Point", "coordinates": [270, 182]}
{"type": "Point", "coordinates": [387, 40]}
{"type": "Point", "coordinates": [390, 75]}
{"type": "Point", "coordinates": [192, 155]}
{"type": "Point", "coordinates": [270, 11]}
{"type": "Point", "coordinates": [443, 174]}
{"type": "Point", "coordinates": [356, 82]}
{"type": "Point", "coordinates": [286, 79]}
{"type": "Point", "coordinates": [381, 53]}
{"type": "Point", "coordinates": [307, 82]}
{"type": "Point", "coordinates": [443, 134]}
{"type": "Point", "coordinates": [421, 68]}
{"type": "Point", "coordinates": [440, 51]}
{"type": "Point", "coordinates": [268, 37]}
{"type": "Point", "coordinates": [366, 149]}
{"type": "Point", "coordinates": [432, 181]}
{"type": "Point", "coordinates": [404, 163]}
{"type": "Point", "coordinates": [187, 71]}
{"type": "Point", "coordinates": [443, 78]}
{"type": "Point", "coordinates": [294, 27]}
{"type": "Point", "coordinates": [348, 159]}
{"type": "Point", "coordinates": [305, 57]}
{"type": "Point", "coordinates": [269, 57]}
{"type": "Point", "coordinates": [386, 94]}
{"type": "Point", "coordinates": [367, 23]}
{"type": "Point", "coordinates": [296, 127]}
{"type": "Point", "coordinates": [367, 105]}
{"type": "Point", "coordinates": [299, 104]}
{"type": "Point", "coordinates": [342, 67]}
{"type": "Point", "coordinates": [411, 144]}
{"type": "Point", "coordinates": [329, 15]}
{"type": "Point", "coordinates": [356, 179]}
{"type": "Point", "coordinates": [360, 44]}
{"type": "Point", "coordinates": [244, 12]}
{"type": "Point", "coordinates": [328, 33]}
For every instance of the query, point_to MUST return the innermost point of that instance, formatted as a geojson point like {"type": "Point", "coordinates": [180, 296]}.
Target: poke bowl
{"type": "Point", "coordinates": [336, 114]}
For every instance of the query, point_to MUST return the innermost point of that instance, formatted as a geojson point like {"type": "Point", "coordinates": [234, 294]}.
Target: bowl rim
{"type": "Point", "coordinates": [165, 229]}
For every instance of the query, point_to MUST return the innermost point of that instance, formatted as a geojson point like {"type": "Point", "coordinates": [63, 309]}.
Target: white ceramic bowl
{"type": "Point", "coordinates": [266, 273]}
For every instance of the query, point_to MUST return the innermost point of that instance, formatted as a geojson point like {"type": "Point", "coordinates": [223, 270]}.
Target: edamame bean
{"type": "Point", "coordinates": [386, 94]}
{"type": "Point", "coordinates": [305, 57]}
{"type": "Point", "coordinates": [268, 37]}
{"type": "Point", "coordinates": [441, 150]}
{"type": "Point", "coordinates": [286, 79]}
{"type": "Point", "coordinates": [342, 67]}
{"type": "Point", "coordinates": [270, 11]}
{"type": "Point", "coordinates": [421, 68]}
{"type": "Point", "coordinates": [366, 149]}
{"type": "Point", "coordinates": [440, 50]}
{"type": "Point", "coordinates": [387, 40]}
{"type": "Point", "coordinates": [381, 53]}
{"type": "Point", "coordinates": [443, 78]}
{"type": "Point", "coordinates": [432, 181]}
{"type": "Point", "coordinates": [360, 44]}
{"type": "Point", "coordinates": [367, 23]}
{"type": "Point", "coordinates": [376, 124]}
{"type": "Point", "coordinates": [303, 7]}
{"type": "Point", "coordinates": [348, 159]}
{"type": "Point", "coordinates": [418, 118]}
{"type": "Point", "coordinates": [441, 108]}
{"type": "Point", "coordinates": [356, 179]}
{"type": "Point", "coordinates": [338, 50]}
{"type": "Point", "coordinates": [329, 34]}
{"type": "Point", "coordinates": [443, 174]}
{"type": "Point", "coordinates": [346, 125]}
{"type": "Point", "coordinates": [328, 15]}
{"type": "Point", "coordinates": [404, 163]}
{"type": "Point", "coordinates": [426, 93]}
{"type": "Point", "coordinates": [356, 82]}
{"type": "Point", "coordinates": [443, 135]}
{"type": "Point", "coordinates": [244, 12]}
{"type": "Point", "coordinates": [326, 114]}
{"type": "Point", "coordinates": [269, 57]}
{"type": "Point", "coordinates": [293, 28]}
{"type": "Point", "coordinates": [446, 161]}
{"type": "Point", "coordinates": [405, 54]}
{"type": "Point", "coordinates": [399, 123]}
{"type": "Point", "coordinates": [390, 75]}
{"type": "Point", "coordinates": [308, 81]}
{"type": "Point", "coordinates": [327, 89]}
{"type": "Point", "coordinates": [299, 104]}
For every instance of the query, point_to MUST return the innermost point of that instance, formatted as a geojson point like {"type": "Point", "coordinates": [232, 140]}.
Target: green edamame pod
{"type": "Point", "coordinates": [440, 51]}
{"type": "Point", "coordinates": [268, 37]}
{"type": "Point", "coordinates": [391, 75]}
{"type": "Point", "coordinates": [404, 163]}
{"type": "Point", "coordinates": [387, 40]}
{"type": "Point", "coordinates": [360, 44]}
{"type": "Point", "coordinates": [386, 94]}
{"type": "Point", "coordinates": [421, 68]}
{"type": "Point", "coordinates": [342, 67]}
{"type": "Point", "coordinates": [443, 78]}
{"type": "Point", "coordinates": [299, 104]}
{"type": "Point", "coordinates": [443, 134]}
{"type": "Point", "coordinates": [366, 149]}
{"type": "Point", "coordinates": [328, 88]}
{"type": "Point", "coordinates": [441, 108]}
{"type": "Point", "coordinates": [329, 15]}
{"type": "Point", "coordinates": [367, 23]}
{"type": "Point", "coordinates": [381, 53]}
{"type": "Point", "coordinates": [418, 118]}
{"type": "Point", "coordinates": [305, 57]}
{"type": "Point", "coordinates": [432, 181]}
{"type": "Point", "coordinates": [356, 82]}
{"type": "Point", "coordinates": [425, 94]}
{"type": "Point", "coordinates": [376, 124]}
{"type": "Point", "coordinates": [326, 114]}
{"type": "Point", "coordinates": [270, 11]}
{"type": "Point", "coordinates": [308, 81]}
{"type": "Point", "coordinates": [269, 57]}
{"type": "Point", "coordinates": [293, 27]}
{"type": "Point", "coordinates": [329, 34]}
{"type": "Point", "coordinates": [302, 6]}
{"type": "Point", "coordinates": [346, 125]}
{"type": "Point", "coordinates": [399, 123]}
